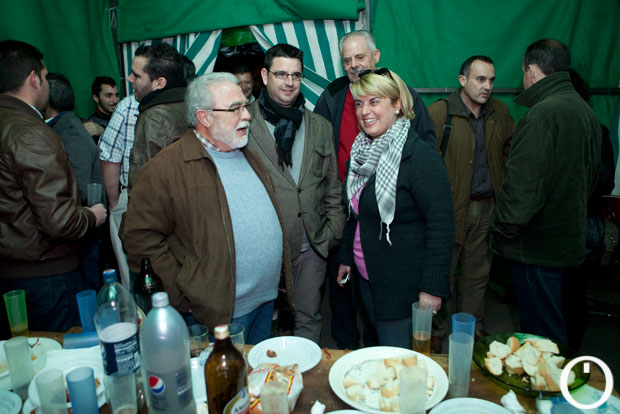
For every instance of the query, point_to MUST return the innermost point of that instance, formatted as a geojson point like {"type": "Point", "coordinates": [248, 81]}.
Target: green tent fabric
{"type": "Point", "coordinates": [142, 19]}
{"type": "Point", "coordinates": [426, 41]}
{"type": "Point", "coordinates": [74, 36]}
{"type": "Point", "coordinates": [201, 48]}
{"type": "Point", "coordinates": [318, 39]}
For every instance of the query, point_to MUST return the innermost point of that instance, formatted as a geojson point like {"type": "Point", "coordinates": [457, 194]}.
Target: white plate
{"type": "Point", "coordinates": [289, 350]}
{"type": "Point", "coordinates": [10, 403]}
{"type": "Point", "coordinates": [346, 362]}
{"type": "Point", "coordinates": [68, 363]}
{"type": "Point", "coordinates": [345, 412]}
{"type": "Point", "coordinates": [468, 406]}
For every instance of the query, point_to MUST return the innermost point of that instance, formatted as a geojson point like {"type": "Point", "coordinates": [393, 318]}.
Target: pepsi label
{"type": "Point", "coordinates": [120, 349]}
{"type": "Point", "coordinates": [170, 391]}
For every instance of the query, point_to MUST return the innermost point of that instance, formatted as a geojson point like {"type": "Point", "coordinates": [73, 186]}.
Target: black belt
{"type": "Point", "coordinates": [479, 197]}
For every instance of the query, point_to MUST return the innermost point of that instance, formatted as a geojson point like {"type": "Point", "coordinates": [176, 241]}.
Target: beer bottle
{"type": "Point", "coordinates": [147, 284]}
{"type": "Point", "coordinates": [226, 377]}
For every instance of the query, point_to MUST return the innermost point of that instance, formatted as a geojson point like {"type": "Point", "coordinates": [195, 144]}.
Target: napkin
{"type": "Point", "coordinates": [510, 402]}
{"type": "Point", "coordinates": [317, 408]}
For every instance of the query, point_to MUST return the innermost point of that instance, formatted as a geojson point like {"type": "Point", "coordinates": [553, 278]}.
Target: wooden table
{"type": "Point", "coordinates": [316, 384]}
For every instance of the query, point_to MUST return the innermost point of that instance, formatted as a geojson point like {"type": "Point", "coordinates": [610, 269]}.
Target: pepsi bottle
{"type": "Point", "coordinates": [166, 364]}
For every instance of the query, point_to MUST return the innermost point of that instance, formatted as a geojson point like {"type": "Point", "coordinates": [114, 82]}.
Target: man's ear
{"type": "Point", "coordinates": [96, 99]}
{"type": "Point", "coordinates": [376, 56]}
{"type": "Point", "coordinates": [160, 83]}
{"type": "Point", "coordinates": [203, 117]}
{"type": "Point", "coordinates": [264, 73]}
{"type": "Point", "coordinates": [34, 80]}
{"type": "Point", "coordinates": [462, 80]}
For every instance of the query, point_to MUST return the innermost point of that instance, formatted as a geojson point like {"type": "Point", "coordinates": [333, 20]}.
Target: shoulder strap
{"type": "Point", "coordinates": [447, 128]}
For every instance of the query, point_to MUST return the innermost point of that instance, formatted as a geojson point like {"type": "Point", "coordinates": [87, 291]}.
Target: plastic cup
{"type": "Point", "coordinates": [87, 306]}
{"type": "Point", "coordinates": [94, 194]}
{"type": "Point", "coordinates": [51, 388]}
{"type": "Point", "coordinates": [421, 320]}
{"type": "Point", "coordinates": [237, 337]}
{"type": "Point", "coordinates": [17, 353]}
{"type": "Point", "coordinates": [198, 339]}
{"type": "Point", "coordinates": [15, 302]}
{"type": "Point", "coordinates": [463, 322]}
{"type": "Point", "coordinates": [80, 340]}
{"type": "Point", "coordinates": [459, 363]}
{"type": "Point", "coordinates": [413, 390]}
{"type": "Point", "coordinates": [82, 390]}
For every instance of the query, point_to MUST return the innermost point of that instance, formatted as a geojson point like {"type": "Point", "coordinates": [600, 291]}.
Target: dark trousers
{"type": "Point", "coordinates": [540, 300]}
{"type": "Point", "coordinates": [343, 303]}
{"type": "Point", "coordinates": [50, 300]}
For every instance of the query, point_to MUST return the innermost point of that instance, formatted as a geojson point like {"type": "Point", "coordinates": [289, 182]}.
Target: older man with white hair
{"type": "Point", "coordinates": [194, 210]}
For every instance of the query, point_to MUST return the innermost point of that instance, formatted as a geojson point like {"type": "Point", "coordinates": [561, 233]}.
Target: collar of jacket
{"type": "Point", "coordinates": [458, 107]}
{"type": "Point", "coordinates": [549, 85]}
{"type": "Point", "coordinates": [8, 101]}
{"type": "Point", "coordinates": [162, 96]}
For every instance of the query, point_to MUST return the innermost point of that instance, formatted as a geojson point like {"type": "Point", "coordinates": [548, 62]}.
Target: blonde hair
{"type": "Point", "coordinates": [387, 86]}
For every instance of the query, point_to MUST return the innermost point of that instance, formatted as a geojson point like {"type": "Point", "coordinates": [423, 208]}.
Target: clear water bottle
{"type": "Point", "coordinates": [166, 363]}
{"type": "Point", "coordinates": [117, 328]}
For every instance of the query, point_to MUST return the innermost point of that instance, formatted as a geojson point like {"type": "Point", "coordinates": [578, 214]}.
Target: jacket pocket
{"type": "Point", "coordinates": [321, 161]}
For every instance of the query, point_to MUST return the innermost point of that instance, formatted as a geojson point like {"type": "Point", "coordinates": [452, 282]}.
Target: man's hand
{"type": "Point", "coordinates": [342, 271]}
{"type": "Point", "coordinates": [100, 213]}
{"type": "Point", "coordinates": [433, 300]}
{"type": "Point", "coordinates": [93, 129]}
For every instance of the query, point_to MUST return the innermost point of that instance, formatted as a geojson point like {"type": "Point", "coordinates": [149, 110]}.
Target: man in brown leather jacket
{"type": "Point", "coordinates": [40, 214]}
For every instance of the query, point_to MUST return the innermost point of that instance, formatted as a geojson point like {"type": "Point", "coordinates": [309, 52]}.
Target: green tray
{"type": "Point", "coordinates": [515, 382]}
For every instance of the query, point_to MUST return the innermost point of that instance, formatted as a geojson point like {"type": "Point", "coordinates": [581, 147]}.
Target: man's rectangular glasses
{"type": "Point", "coordinates": [235, 109]}
{"type": "Point", "coordinates": [282, 75]}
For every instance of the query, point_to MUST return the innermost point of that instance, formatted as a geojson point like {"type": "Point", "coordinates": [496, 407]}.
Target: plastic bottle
{"type": "Point", "coordinates": [166, 364]}
{"type": "Point", "coordinates": [116, 323]}
{"type": "Point", "coordinates": [226, 376]}
{"type": "Point", "coordinates": [147, 284]}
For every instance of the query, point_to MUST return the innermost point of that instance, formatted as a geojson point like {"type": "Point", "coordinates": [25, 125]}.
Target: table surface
{"type": "Point", "coordinates": [316, 384]}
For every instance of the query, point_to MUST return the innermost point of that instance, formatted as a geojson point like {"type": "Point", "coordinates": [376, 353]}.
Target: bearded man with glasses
{"type": "Point", "coordinates": [204, 211]}
{"type": "Point", "coordinates": [296, 147]}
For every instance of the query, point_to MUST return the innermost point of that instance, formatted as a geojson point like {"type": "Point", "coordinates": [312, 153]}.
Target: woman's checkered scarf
{"type": "Point", "coordinates": [382, 155]}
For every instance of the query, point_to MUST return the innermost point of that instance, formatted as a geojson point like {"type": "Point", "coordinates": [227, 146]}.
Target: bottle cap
{"type": "Point", "coordinates": [109, 276]}
{"type": "Point", "coordinates": [160, 300]}
{"type": "Point", "coordinates": [221, 332]}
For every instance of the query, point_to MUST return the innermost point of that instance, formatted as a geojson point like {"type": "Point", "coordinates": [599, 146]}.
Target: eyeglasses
{"type": "Point", "coordinates": [379, 71]}
{"type": "Point", "coordinates": [235, 109]}
{"type": "Point", "coordinates": [282, 75]}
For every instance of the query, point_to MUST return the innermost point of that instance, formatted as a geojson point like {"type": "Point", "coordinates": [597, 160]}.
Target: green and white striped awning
{"type": "Point", "coordinates": [317, 38]}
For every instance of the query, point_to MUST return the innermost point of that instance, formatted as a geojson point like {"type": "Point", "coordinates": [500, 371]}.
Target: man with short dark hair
{"type": "Point", "coordinates": [246, 81]}
{"type": "Point", "coordinates": [475, 149]}
{"type": "Point", "coordinates": [358, 52]}
{"type": "Point", "coordinates": [105, 95]}
{"type": "Point", "coordinates": [204, 211]}
{"type": "Point", "coordinates": [84, 158]}
{"type": "Point", "coordinates": [40, 214]}
{"type": "Point", "coordinates": [297, 150]}
{"type": "Point", "coordinates": [539, 222]}
{"type": "Point", "coordinates": [157, 77]}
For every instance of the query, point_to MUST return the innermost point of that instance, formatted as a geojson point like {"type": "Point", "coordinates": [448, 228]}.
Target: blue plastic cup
{"type": "Point", "coordinates": [87, 305]}
{"type": "Point", "coordinates": [463, 322]}
{"type": "Point", "coordinates": [81, 382]}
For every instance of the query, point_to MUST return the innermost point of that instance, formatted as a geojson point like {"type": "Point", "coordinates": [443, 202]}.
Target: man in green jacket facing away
{"type": "Point", "coordinates": [539, 221]}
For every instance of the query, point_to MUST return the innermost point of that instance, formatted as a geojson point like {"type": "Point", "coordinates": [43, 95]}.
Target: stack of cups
{"type": "Point", "coordinates": [460, 353]}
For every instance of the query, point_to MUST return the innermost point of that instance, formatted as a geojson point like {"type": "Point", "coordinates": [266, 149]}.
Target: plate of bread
{"type": "Point", "coordinates": [527, 364]}
{"type": "Point", "coordinates": [368, 379]}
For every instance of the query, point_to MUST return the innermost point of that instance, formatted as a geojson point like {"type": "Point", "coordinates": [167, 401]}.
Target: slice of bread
{"type": "Point", "coordinates": [552, 375]}
{"type": "Point", "coordinates": [538, 383]}
{"type": "Point", "coordinates": [356, 392]}
{"type": "Point", "coordinates": [513, 365]}
{"type": "Point", "coordinates": [499, 349]}
{"type": "Point", "coordinates": [543, 345]}
{"type": "Point", "coordinates": [410, 361]}
{"type": "Point", "coordinates": [513, 343]}
{"type": "Point", "coordinates": [494, 365]}
{"type": "Point", "coordinates": [530, 359]}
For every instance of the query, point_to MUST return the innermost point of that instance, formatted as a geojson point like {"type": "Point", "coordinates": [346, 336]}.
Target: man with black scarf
{"type": "Point", "coordinates": [159, 85]}
{"type": "Point", "coordinates": [296, 147]}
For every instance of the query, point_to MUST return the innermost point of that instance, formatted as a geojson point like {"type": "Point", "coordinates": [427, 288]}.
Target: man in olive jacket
{"type": "Point", "coordinates": [296, 147]}
{"type": "Point", "coordinates": [539, 221]}
{"type": "Point", "coordinates": [475, 149]}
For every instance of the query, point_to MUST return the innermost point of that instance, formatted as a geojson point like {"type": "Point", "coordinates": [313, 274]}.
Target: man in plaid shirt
{"type": "Point", "coordinates": [115, 146]}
